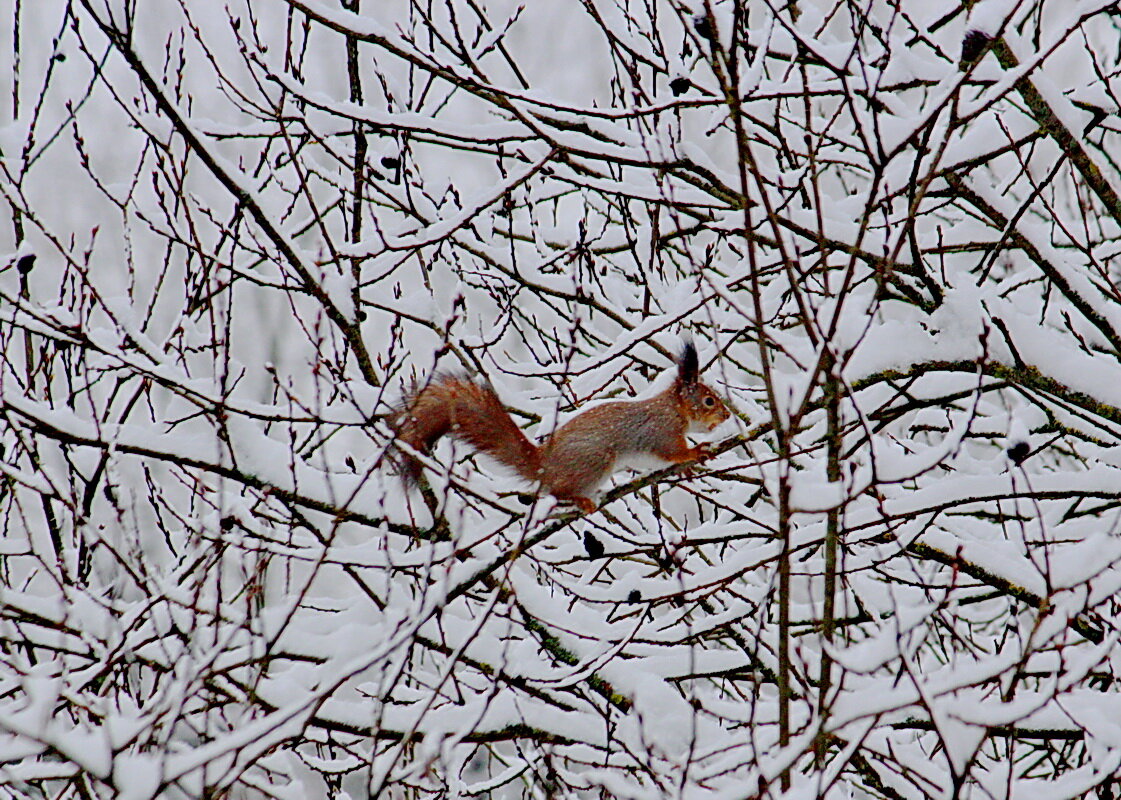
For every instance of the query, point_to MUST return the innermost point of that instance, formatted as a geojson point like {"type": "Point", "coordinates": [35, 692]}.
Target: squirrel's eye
{"type": "Point", "coordinates": [710, 401]}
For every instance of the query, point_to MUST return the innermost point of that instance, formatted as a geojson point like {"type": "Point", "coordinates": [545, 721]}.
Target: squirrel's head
{"type": "Point", "coordinates": [702, 407]}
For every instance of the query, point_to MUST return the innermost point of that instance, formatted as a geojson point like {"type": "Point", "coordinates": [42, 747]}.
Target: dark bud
{"type": "Point", "coordinates": [25, 263]}
{"type": "Point", "coordinates": [703, 28]}
{"type": "Point", "coordinates": [349, 461]}
{"type": "Point", "coordinates": [973, 46]}
{"type": "Point", "coordinates": [1019, 452]}
{"type": "Point", "coordinates": [679, 86]}
{"type": "Point", "coordinates": [59, 57]}
{"type": "Point", "coordinates": [361, 315]}
{"type": "Point", "coordinates": [227, 523]}
{"type": "Point", "coordinates": [634, 596]}
{"type": "Point", "coordinates": [390, 162]}
{"type": "Point", "coordinates": [593, 545]}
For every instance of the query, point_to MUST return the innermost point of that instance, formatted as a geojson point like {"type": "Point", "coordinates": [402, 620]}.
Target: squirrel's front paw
{"type": "Point", "coordinates": [585, 504]}
{"type": "Point", "coordinates": [703, 452]}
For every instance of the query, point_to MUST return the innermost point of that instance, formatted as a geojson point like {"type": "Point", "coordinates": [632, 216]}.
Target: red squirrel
{"type": "Point", "coordinates": [582, 453]}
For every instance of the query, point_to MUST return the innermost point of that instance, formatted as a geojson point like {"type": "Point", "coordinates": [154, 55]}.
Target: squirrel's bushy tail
{"type": "Point", "coordinates": [458, 406]}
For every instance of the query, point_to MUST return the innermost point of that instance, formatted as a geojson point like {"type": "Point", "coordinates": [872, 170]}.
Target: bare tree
{"type": "Point", "coordinates": [240, 231]}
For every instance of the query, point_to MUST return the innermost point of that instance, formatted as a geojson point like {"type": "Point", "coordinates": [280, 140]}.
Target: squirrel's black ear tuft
{"type": "Point", "coordinates": [688, 368]}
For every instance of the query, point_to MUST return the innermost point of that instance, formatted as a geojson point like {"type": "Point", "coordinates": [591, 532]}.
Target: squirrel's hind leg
{"type": "Point", "coordinates": [585, 504]}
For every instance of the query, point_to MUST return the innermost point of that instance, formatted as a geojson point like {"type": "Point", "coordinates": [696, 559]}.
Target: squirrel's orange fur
{"type": "Point", "coordinates": [580, 454]}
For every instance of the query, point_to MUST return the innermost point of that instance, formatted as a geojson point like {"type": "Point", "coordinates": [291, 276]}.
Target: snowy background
{"type": "Point", "coordinates": [233, 234]}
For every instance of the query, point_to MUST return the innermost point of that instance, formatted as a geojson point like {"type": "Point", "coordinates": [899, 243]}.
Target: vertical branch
{"type": "Point", "coordinates": [725, 65]}
{"type": "Point", "coordinates": [17, 13]}
{"type": "Point", "coordinates": [784, 693]}
{"type": "Point", "coordinates": [24, 265]}
{"type": "Point", "coordinates": [361, 147]}
{"type": "Point", "coordinates": [832, 530]}
{"type": "Point", "coordinates": [832, 392]}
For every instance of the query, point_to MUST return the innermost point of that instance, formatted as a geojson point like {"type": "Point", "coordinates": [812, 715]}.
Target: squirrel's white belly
{"type": "Point", "coordinates": [639, 462]}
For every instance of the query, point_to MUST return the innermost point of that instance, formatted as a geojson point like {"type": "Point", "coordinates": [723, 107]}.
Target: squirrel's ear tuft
{"type": "Point", "coordinates": [688, 368]}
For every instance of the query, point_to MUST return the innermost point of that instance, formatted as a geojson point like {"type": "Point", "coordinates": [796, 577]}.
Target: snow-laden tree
{"type": "Point", "coordinates": [240, 230]}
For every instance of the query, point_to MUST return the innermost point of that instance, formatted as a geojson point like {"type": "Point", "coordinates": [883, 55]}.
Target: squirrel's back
{"type": "Point", "coordinates": [583, 451]}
